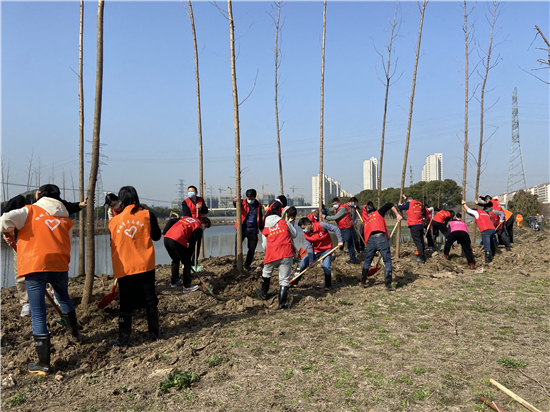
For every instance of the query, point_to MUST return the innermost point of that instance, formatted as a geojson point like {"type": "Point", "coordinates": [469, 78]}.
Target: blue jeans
{"type": "Point", "coordinates": [36, 289]}
{"type": "Point", "coordinates": [487, 238]}
{"type": "Point", "coordinates": [349, 239]}
{"type": "Point", "coordinates": [381, 244]}
{"type": "Point", "coordinates": [326, 262]}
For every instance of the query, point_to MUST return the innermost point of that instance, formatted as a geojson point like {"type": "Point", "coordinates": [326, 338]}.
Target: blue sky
{"type": "Point", "coordinates": [149, 119]}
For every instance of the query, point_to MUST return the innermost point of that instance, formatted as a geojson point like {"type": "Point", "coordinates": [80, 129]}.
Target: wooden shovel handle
{"type": "Point", "coordinates": [57, 308]}
{"type": "Point", "coordinates": [318, 259]}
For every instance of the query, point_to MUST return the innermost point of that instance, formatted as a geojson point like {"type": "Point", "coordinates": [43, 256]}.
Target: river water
{"type": "Point", "coordinates": [219, 241]}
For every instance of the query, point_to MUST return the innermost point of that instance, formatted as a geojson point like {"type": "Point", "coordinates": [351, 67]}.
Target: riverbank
{"type": "Point", "coordinates": [431, 345]}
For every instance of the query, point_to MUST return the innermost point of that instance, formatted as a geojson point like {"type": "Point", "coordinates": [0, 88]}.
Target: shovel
{"type": "Point", "coordinates": [319, 259]}
{"type": "Point", "coordinates": [109, 297]}
{"type": "Point", "coordinates": [302, 253]}
{"type": "Point", "coordinates": [205, 285]}
{"type": "Point", "coordinates": [197, 267]}
{"type": "Point", "coordinates": [376, 267]}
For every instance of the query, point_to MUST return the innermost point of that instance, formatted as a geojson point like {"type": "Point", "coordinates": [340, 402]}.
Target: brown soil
{"type": "Point", "coordinates": [432, 345]}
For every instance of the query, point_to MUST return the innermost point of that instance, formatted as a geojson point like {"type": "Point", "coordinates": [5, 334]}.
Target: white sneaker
{"type": "Point", "coordinates": [190, 289]}
{"type": "Point", "coordinates": [26, 311]}
{"type": "Point", "coordinates": [178, 283]}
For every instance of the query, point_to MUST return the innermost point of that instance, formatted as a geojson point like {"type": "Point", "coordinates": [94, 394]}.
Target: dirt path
{"type": "Point", "coordinates": [432, 345]}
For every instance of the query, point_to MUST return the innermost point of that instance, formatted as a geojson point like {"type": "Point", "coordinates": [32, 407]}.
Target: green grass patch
{"type": "Point", "coordinates": [511, 363]}
{"type": "Point", "coordinates": [178, 379]}
{"type": "Point", "coordinates": [214, 361]}
{"type": "Point", "coordinates": [16, 400]}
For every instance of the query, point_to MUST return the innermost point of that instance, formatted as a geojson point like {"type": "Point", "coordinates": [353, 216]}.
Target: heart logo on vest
{"type": "Point", "coordinates": [52, 223]}
{"type": "Point", "coordinates": [131, 231]}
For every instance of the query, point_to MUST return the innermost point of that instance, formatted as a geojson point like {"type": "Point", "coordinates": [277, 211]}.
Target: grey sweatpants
{"type": "Point", "coordinates": [20, 283]}
{"type": "Point", "coordinates": [285, 270]}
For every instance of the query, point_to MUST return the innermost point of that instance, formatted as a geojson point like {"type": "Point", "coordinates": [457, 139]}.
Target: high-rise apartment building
{"type": "Point", "coordinates": [331, 188]}
{"type": "Point", "coordinates": [370, 174]}
{"type": "Point", "coordinates": [433, 169]}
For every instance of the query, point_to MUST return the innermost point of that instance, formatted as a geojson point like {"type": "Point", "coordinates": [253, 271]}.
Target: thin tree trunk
{"type": "Point", "coordinates": [199, 117]}
{"type": "Point", "coordinates": [239, 250]}
{"type": "Point", "coordinates": [388, 80]}
{"type": "Point", "coordinates": [482, 102]}
{"type": "Point", "coordinates": [404, 172]}
{"type": "Point", "coordinates": [90, 246]}
{"type": "Point", "coordinates": [464, 172]}
{"type": "Point", "coordinates": [322, 112]}
{"type": "Point", "coordinates": [276, 94]}
{"type": "Point", "coordinates": [81, 227]}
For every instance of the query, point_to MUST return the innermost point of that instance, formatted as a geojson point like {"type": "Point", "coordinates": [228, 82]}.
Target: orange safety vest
{"type": "Point", "coordinates": [132, 248]}
{"type": "Point", "coordinates": [43, 243]}
{"type": "Point", "coordinates": [507, 214]}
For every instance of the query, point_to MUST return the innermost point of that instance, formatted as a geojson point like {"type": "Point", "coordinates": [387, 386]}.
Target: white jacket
{"type": "Point", "coordinates": [17, 218]}
{"type": "Point", "coordinates": [271, 221]}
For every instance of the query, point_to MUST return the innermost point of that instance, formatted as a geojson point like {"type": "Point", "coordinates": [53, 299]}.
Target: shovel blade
{"type": "Point", "coordinates": [197, 268]}
{"type": "Point", "coordinates": [302, 252]}
{"type": "Point", "coordinates": [373, 270]}
{"type": "Point", "coordinates": [108, 298]}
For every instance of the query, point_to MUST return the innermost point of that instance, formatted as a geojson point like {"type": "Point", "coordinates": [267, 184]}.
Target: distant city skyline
{"type": "Point", "coordinates": [433, 168]}
{"type": "Point", "coordinates": [370, 174]}
{"type": "Point", "coordinates": [331, 189]}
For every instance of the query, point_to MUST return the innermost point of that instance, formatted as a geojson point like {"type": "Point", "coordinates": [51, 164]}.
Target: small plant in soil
{"type": "Point", "coordinates": [16, 400]}
{"type": "Point", "coordinates": [511, 363]}
{"type": "Point", "coordinates": [179, 379]}
{"type": "Point", "coordinates": [289, 373]}
{"type": "Point", "coordinates": [214, 361]}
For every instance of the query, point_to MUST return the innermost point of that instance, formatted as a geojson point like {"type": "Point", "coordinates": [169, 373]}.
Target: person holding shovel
{"type": "Point", "coordinates": [342, 216]}
{"type": "Point", "coordinates": [180, 239]}
{"type": "Point", "coordinates": [251, 223]}
{"type": "Point", "coordinates": [458, 232]}
{"type": "Point", "coordinates": [486, 227]}
{"type": "Point", "coordinates": [376, 236]}
{"type": "Point", "coordinates": [279, 252]}
{"type": "Point", "coordinates": [133, 255]}
{"type": "Point", "coordinates": [44, 249]}
{"type": "Point", "coordinates": [415, 212]}
{"type": "Point", "coordinates": [318, 244]}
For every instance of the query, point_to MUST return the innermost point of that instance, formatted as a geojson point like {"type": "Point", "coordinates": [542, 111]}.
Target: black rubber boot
{"type": "Point", "coordinates": [72, 323]}
{"type": "Point", "coordinates": [388, 280]}
{"type": "Point", "coordinates": [364, 275]}
{"type": "Point", "coordinates": [153, 323]}
{"type": "Point", "coordinates": [42, 346]}
{"type": "Point", "coordinates": [124, 329]}
{"type": "Point", "coordinates": [328, 282]}
{"type": "Point", "coordinates": [488, 256]}
{"type": "Point", "coordinates": [283, 297]}
{"type": "Point", "coordinates": [264, 291]}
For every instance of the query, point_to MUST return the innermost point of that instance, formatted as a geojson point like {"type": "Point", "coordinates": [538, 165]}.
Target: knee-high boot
{"type": "Point", "coordinates": [153, 323]}
{"type": "Point", "coordinates": [124, 329]}
{"type": "Point", "coordinates": [42, 346]}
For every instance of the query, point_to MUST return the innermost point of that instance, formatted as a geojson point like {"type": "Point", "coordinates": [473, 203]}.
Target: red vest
{"type": "Point", "coordinates": [496, 205]}
{"type": "Point", "coordinates": [375, 222]}
{"type": "Point", "coordinates": [279, 243]}
{"type": "Point", "coordinates": [132, 248]}
{"type": "Point", "coordinates": [320, 239]}
{"type": "Point", "coordinates": [43, 243]}
{"type": "Point", "coordinates": [345, 221]}
{"type": "Point", "coordinates": [193, 208]}
{"type": "Point", "coordinates": [414, 213]}
{"type": "Point", "coordinates": [484, 221]}
{"type": "Point", "coordinates": [244, 211]}
{"type": "Point", "coordinates": [269, 209]}
{"type": "Point", "coordinates": [441, 216]}
{"type": "Point", "coordinates": [494, 218]}
{"type": "Point", "coordinates": [312, 217]}
{"type": "Point", "coordinates": [181, 230]}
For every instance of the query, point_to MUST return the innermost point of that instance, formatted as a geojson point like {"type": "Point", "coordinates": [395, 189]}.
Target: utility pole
{"type": "Point", "coordinates": [516, 171]}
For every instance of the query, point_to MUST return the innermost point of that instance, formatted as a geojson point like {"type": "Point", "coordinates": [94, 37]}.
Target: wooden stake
{"type": "Point", "coordinates": [514, 396]}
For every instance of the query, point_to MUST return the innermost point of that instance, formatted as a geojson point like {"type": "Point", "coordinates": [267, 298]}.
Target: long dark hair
{"type": "Point", "coordinates": [128, 196]}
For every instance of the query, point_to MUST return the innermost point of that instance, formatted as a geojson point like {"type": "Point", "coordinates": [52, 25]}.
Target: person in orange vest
{"type": "Point", "coordinates": [252, 222]}
{"type": "Point", "coordinates": [279, 252]}
{"type": "Point", "coordinates": [458, 232]}
{"type": "Point", "coordinates": [376, 236]}
{"type": "Point", "coordinates": [44, 253]}
{"type": "Point", "coordinates": [485, 221]}
{"type": "Point", "coordinates": [416, 212]}
{"type": "Point", "coordinates": [133, 231]}
{"type": "Point", "coordinates": [343, 219]}
{"type": "Point", "coordinates": [519, 219]}
{"type": "Point", "coordinates": [318, 244]}
{"type": "Point", "coordinates": [180, 237]}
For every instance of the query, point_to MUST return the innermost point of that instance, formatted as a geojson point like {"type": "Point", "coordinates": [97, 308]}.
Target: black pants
{"type": "Point", "coordinates": [359, 244]}
{"type": "Point", "coordinates": [138, 291]}
{"type": "Point", "coordinates": [510, 228]}
{"type": "Point", "coordinates": [429, 238]}
{"type": "Point", "coordinates": [463, 239]}
{"type": "Point", "coordinates": [503, 238]}
{"type": "Point", "coordinates": [179, 253]}
{"type": "Point", "coordinates": [252, 236]}
{"type": "Point", "coordinates": [439, 227]}
{"type": "Point", "coordinates": [417, 235]}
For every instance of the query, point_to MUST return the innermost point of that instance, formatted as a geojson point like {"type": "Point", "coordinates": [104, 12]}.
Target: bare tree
{"type": "Point", "coordinates": [38, 173]}
{"type": "Point", "coordinates": [5, 179]}
{"type": "Point", "coordinates": [411, 101]}
{"type": "Point", "coordinates": [486, 61]}
{"type": "Point", "coordinates": [239, 250]}
{"type": "Point", "coordinates": [322, 112]}
{"type": "Point", "coordinates": [468, 38]}
{"type": "Point", "coordinates": [278, 57]}
{"type": "Point", "coordinates": [90, 246]}
{"type": "Point", "coordinates": [63, 182]}
{"type": "Point", "coordinates": [388, 73]}
{"type": "Point", "coordinates": [30, 171]}
{"type": "Point", "coordinates": [199, 117]}
{"type": "Point", "coordinates": [81, 235]}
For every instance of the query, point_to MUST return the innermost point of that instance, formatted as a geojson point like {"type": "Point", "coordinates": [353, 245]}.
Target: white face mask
{"type": "Point", "coordinates": [352, 204]}
{"type": "Point", "coordinates": [335, 206]}
{"type": "Point", "coordinates": [250, 201]}
{"type": "Point", "coordinates": [305, 230]}
{"type": "Point", "coordinates": [203, 228]}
